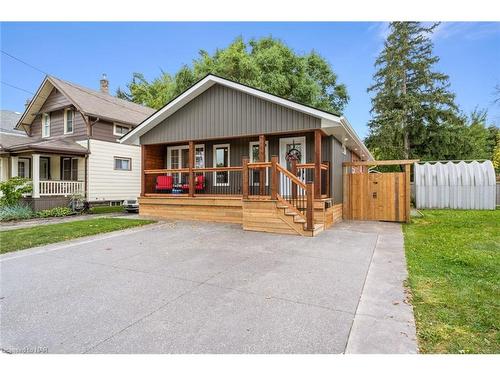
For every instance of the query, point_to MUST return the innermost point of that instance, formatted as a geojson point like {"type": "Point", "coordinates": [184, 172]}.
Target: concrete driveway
{"type": "Point", "coordinates": [185, 287]}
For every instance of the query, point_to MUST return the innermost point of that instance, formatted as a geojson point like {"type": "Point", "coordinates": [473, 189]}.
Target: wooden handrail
{"type": "Point", "coordinates": [195, 170]}
{"type": "Point", "coordinates": [294, 179]}
{"type": "Point", "coordinates": [257, 165]}
{"type": "Point", "coordinates": [311, 166]}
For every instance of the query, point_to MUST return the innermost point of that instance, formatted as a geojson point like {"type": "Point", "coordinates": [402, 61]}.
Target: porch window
{"type": "Point", "coordinates": [221, 159]}
{"type": "Point", "coordinates": [254, 157]}
{"type": "Point", "coordinates": [23, 167]}
{"type": "Point", "coordinates": [68, 121]}
{"type": "Point", "coordinates": [120, 129]}
{"type": "Point", "coordinates": [69, 169]}
{"type": "Point", "coordinates": [123, 164]}
{"type": "Point", "coordinates": [44, 168]}
{"type": "Point", "coordinates": [45, 125]}
{"type": "Point", "coordinates": [178, 157]}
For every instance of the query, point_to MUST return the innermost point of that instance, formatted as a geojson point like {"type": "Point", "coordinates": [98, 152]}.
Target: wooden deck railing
{"type": "Point", "coordinates": [194, 181]}
{"type": "Point", "coordinates": [66, 188]}
{"type": "Point", "coordinates": [283, 185]}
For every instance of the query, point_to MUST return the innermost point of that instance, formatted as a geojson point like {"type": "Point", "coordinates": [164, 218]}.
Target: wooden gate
{"type": "Point", "coordinates": [376, 196]}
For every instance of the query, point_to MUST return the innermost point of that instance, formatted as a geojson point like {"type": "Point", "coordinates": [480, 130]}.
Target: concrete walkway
{"type": "Point", "coordinates": [191, 287]}
{"type": "Point", "coordinates": [384, 320]}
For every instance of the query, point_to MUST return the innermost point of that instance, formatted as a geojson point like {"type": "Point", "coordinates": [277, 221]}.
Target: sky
{"type": "Point", "coordinates": [81, 52]}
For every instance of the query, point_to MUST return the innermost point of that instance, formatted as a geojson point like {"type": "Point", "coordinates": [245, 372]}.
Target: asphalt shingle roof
{"type": "Point", "coordinates": [103, 105]}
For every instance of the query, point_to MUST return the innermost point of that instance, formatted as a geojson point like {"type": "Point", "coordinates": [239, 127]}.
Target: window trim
{"type": "Point", "coordinates": [45, 115]}
{"type": "Point", "coordinates": [122, 126]}
{"type": "Point", "coordinates": [66, 121]}
{"type": "Point", "coordinates": [266, 154]}
{"type": "Point", "coordinates": [115, 158]}
{"type": "Point", "coordinates": [48, 169]}
{"type": "Point", "coordinates": [214, 161]}
{"type": "Point", "coordinates": [61, 166]}
{"type": "Point", "coordinates": [183, 147]}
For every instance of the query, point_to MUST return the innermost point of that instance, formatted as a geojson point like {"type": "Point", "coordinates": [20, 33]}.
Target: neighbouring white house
{"type": "Point", "coordinates": [66, 142]}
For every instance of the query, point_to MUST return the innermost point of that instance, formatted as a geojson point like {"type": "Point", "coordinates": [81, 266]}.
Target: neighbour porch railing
{"type": "Point", "coordinates": [48, 188]}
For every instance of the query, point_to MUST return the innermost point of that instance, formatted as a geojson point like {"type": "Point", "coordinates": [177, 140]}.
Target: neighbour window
{"type": "Point", "coordinates": [45, 125]}
{"type": "Point", "coordinates": [120, 129]}
{"type": "Point", "coordinates": [221, 159]}
{"type": "Point", "coordinates": [44, 168]}
{"type": "Point", "coordinates": [69, 169]}
{"type": "Point", "coordinates": [69, 116]}
{"type": "Point", "coordinates": [123, 164]}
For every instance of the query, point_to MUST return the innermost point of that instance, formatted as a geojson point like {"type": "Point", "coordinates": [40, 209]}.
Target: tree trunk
{"type": "Point", "coordinates": [406, 137]}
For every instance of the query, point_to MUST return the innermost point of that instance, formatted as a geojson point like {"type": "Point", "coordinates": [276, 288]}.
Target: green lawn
{"type": "Point", "coordinates": [105, 209]}
{"type": "Point", "coordinates": [18, 239]}
{"type": "Point", "coordinates": [454, 277]}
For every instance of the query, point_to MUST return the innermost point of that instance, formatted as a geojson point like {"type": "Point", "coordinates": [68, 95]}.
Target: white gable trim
{"type": "Point", "coordinates": [332, 120]}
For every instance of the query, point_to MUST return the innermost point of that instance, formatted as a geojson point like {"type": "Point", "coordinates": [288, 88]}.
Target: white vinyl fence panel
{"type": "Point", "coordinates": [462, 185]}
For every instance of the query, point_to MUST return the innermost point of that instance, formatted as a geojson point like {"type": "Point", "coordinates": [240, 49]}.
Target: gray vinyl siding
{"type": "Point", "coordinates": [224, 112]}
{"type": "Point", "coordinates": [338, 158]}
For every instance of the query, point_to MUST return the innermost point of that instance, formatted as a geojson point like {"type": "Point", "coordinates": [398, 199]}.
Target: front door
{"type": "Point", "coordinates": [298, 146]}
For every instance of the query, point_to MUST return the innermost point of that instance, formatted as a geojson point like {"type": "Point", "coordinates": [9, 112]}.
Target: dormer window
{"type": "Point", "coordinates": [45, 125]}
{"type": "Point", "coordinates": [120, 129]}
{"type": "Point", "coordinates": [69, 116]}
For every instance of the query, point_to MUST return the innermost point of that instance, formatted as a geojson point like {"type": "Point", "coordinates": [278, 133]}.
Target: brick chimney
{"type": "Point", "coordinates": [104, 84]}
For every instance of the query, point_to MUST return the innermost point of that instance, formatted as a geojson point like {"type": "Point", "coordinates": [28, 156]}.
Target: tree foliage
{"type": "Point", "coordinates": [267, 64]}
{"type": "Point", "coordinates": [414, 114]}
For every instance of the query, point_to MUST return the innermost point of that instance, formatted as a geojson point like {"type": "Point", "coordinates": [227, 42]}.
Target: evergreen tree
{"type": "Point", "coordinates": [413, 111]}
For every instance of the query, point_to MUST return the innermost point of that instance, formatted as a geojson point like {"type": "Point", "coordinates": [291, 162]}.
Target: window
{"type": "Point", "coordinates": [221, 159]}
{"type": "Point", "coordinates": [120, 129]}
{"type": "Point", "coordinates": [44, 168]}
{"type": "Point", "coordinates": [178, 157]}
{"type": "Point", "coordinates": [123, 164]}
{"type": "Point", "coordinates": [254, 157]}
{"type": "Point", "coordinates": [69, 169]}
{"type": "Point", "coordinates": [45, 125]}
{"type": "Point", "coordinates": [69, 116]}
{"type": "Point", "coordinates": [23, 167]}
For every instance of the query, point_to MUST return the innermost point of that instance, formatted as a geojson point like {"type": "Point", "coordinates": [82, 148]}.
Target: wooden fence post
{"type": "Point", "coordinates": [309, 206]}
{"type": "Point", "coordinates": [244, 177]}
{"type": "Point", "coordinates": [274, 177]}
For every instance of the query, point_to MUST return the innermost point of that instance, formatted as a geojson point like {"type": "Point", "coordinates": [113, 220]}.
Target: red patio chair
{"type": "Point", "coordinates": [199, 184]}
{"type": "Point", "coordinates": [164, 183]}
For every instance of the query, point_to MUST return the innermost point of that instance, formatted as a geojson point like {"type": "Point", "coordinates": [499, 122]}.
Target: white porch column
{"type": "Point", "coordinates": [35, 175]}
{"type": "Point", "coordinates": [13, 166]}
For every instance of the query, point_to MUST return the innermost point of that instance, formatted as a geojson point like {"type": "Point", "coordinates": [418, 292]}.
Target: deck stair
{"type": "Point", "coordinates": [296, 220]}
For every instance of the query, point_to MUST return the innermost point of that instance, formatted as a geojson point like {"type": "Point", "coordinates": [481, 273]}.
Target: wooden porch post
{"type": "Point", "coordinates": [317, 164]}
{"type": "Point", "coordinates": [143, 176]}
{"type": "Point", "coordinates": [274, 177]}
{"type": "Point", "coordinates": [262, 158]}
{"type": "Point", "coordinates": [309, 206]}
{"type": "Point", "coordinates": [244, 177]}
{"type": "Point", "coordinates": [191, 166]}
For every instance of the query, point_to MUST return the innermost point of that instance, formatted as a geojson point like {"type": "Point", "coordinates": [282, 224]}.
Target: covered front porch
{"type": "Point", "coordinates": [270, 178]}
{"type": "Point", "coordinates": [55, 177]}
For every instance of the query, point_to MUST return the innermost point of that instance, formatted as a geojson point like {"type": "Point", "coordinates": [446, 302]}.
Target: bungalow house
{"type": "Point", "coordinates": [223, 151]}
{"type": "Point", "coordinates": [66, 142]}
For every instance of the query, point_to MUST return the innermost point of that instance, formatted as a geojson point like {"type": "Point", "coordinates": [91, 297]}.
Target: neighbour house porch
{"type": "Point", "coordinates": [55, 177]}
{"type": "Point", "coordinates": [268, 182]}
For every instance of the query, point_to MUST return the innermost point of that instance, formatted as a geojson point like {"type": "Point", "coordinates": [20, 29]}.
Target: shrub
{"type": "Point", "coordinates": [13, 190]}
{"type": "Point", "coordinates": [55, 212]}
{"type": "Point", "coordinates": [16, 211]}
